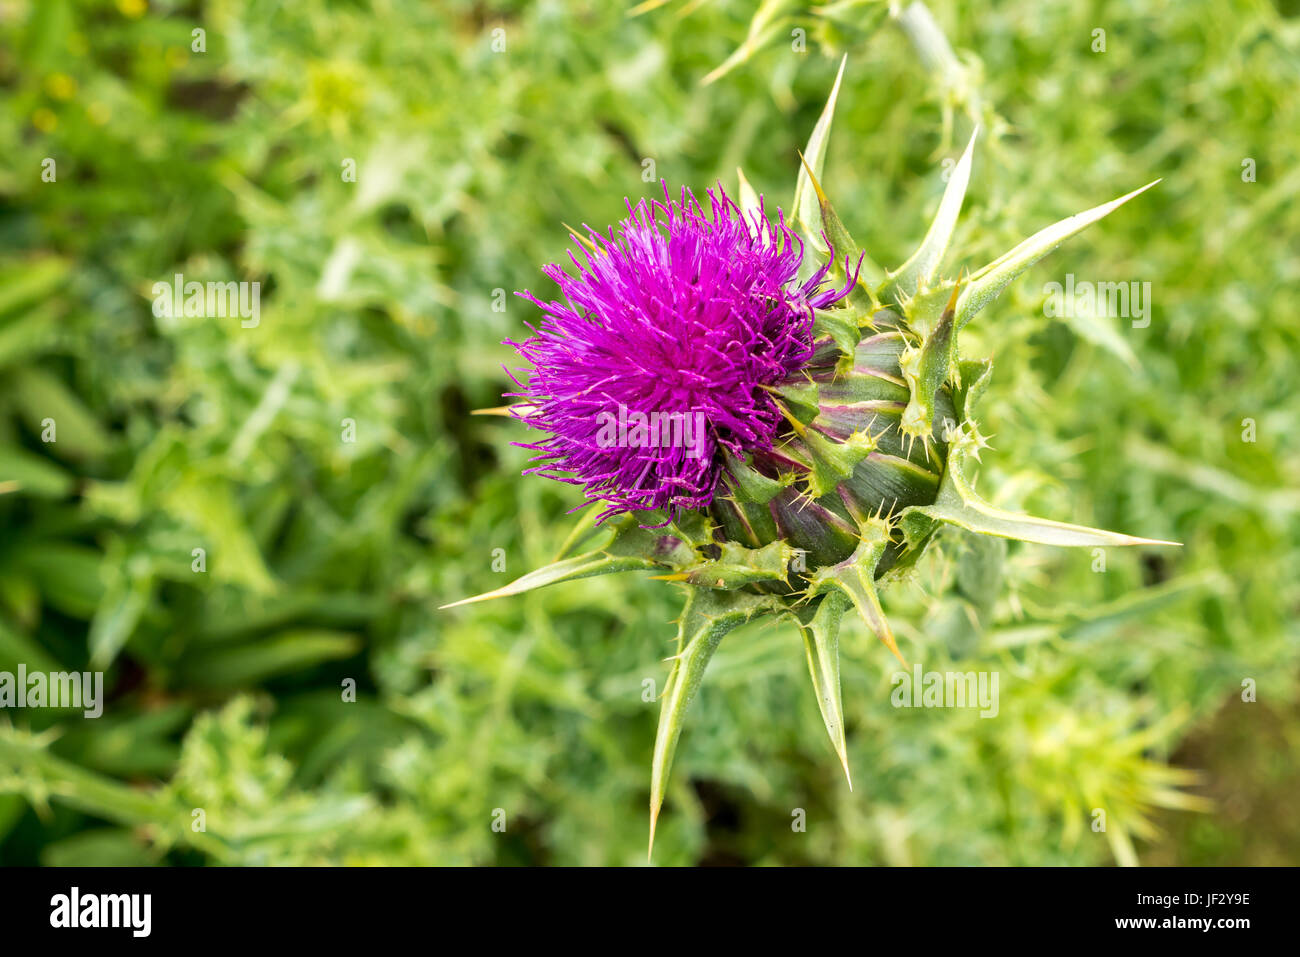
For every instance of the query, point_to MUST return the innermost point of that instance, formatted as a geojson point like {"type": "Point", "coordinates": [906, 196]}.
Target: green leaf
{"type": "Point", "coordinates": [42, 396]}
{"type": "Point", "coordinates": [16, 648]}
{"type": "Point", "coordinates": [28, 768]}
{"type": "Point", "coordinates": [847, 252]}
{"type": "Point", "coordinates": [930, 43]}
{"type": "Point", "coordinates": [28, 281]}
{"type": "Point", "coordinates": [1214, 481]}
{"type": "Point", "coordinates": [926, 369]}
{"type": "Point", "coordinates": [750, 486]}
{"type": "Point", "coordinates": [844, 328]}
{"type": "Point", "coordinates": [830, 461]}
{"type": "Point", "coordinates": [99, 847]}
{"type": "Point", "coordinates": [708, 616]}
{"type": "Point", "coordinates": [126, 597]}
{"type": "Point", "coordinates": [36, 332]}
{"type": "Point", "coordinates": [1085, 623]}
{"type": "Point", "coordinates": [807, 211]}
{"type": "Point", "coordinates": [973, 377]}
{"type": "Point", "coordinates": [67, 574]}
{"type": "Point", "coordinates": [958, 504]}
{"type": "Point", "coordinates": [584, 529]}
{"type": "Point", "coordinates": [763, 29]}
{"type": "Point", "coordinates": [11, 810]}
{"type": "Point", "coordinates": [737, 566]}
{"type": "Point", "coordinates": [248, 664]}
{"type": "Point", "coordinates": [920, 269]}
{"type": "Point", "coordinates": [821, 640]}
{"type": "Point", "coordinates": [626, 547]}
{"type": "Point", "coordinates": [1102, 330]}
{"type": "Point", "coordinates": [34, 475]}
{"type": "Point", "coordinates": [855, 577]}
{"type": "Point", "coordinates": [987, 284]}
{"type": "Point", "coordinates": [211, 504]}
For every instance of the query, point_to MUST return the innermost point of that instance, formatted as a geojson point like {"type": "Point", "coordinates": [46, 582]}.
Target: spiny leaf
{"type": "Point", "coordinates": [958, 504]}
{"type": "Point", "coordinates": [987, 284]}
{"type": "Point", "coordinates": [690, 527]}
{"type": "Point", "coordinates": [829, 461]}
{"type": "Point", "coordinates": [738, 566]}
{"type": "Point", "coordinates": [855, 577]}
{"type": "Point", "coordinates": [799, 401]}
{"type": "Point", "coordinates": [625, 547]}
{"type": "Point", "coordinates": [707, 617]}
{"type": "Point", "coordinates": [841, 326]}
{"type": "Point", "coordinates": [848, 255]}
{"type": "Point", "coordinates": [583, 530]}
{"type": "Point", "coordinates": [570, 569]}
{"type": "Point", "coordinates": [919, 270]}
{"type": "Point", "coordinates": [973, 377]}
{"type": "Point", "coordinates": [749, 485]}
{"type": "Point", "coordinates": [926, 370]}
{"type": "Point", "coordinates": [807, 213]}
{"type": "Point", "coordinates": [821, 639]}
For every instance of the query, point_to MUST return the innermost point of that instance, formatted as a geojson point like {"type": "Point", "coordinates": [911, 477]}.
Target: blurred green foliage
{"type": "Point", "coordinates": [326, 558]}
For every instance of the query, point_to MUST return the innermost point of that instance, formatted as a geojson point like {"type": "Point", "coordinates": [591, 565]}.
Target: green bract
{"type": "Point", "coordinates": [876, 458]}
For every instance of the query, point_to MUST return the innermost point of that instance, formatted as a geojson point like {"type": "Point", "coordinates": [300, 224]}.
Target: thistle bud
{"type": "Point", "coordinates": [776, 432]}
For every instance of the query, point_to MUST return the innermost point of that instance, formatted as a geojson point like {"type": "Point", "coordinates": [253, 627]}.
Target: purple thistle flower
{"type": "Point", "coordinates": [658, 360]}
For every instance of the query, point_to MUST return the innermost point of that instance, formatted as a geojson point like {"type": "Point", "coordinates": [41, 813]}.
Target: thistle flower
{"type": "Point", "coordinates": [839, 420]}
{"type": "Point", "coordinates": [684, 320]}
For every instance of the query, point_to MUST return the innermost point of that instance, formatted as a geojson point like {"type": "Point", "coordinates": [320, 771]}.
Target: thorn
{"type": "Point", "coordinates": [951, 308]}
{"type": "Point", "coordinates": [812, 178]}
{"type": "Point", "coordinates": [583, 241]}
{"type": "Point", "coordinates": [795, 424]}
{"type": "Point", "coordinates": [469, 601]}
{"type": "Point", "coordinates": [892, 645]}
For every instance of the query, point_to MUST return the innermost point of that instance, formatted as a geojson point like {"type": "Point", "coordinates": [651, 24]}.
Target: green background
{"type": "Point", "coordinates": [326, 559]}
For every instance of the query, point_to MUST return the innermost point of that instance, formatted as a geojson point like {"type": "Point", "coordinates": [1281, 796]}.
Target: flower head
{"type": "Point", "coordinates": [683, 312]}
{"type": "Point", "coordinates": [672, 328]}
